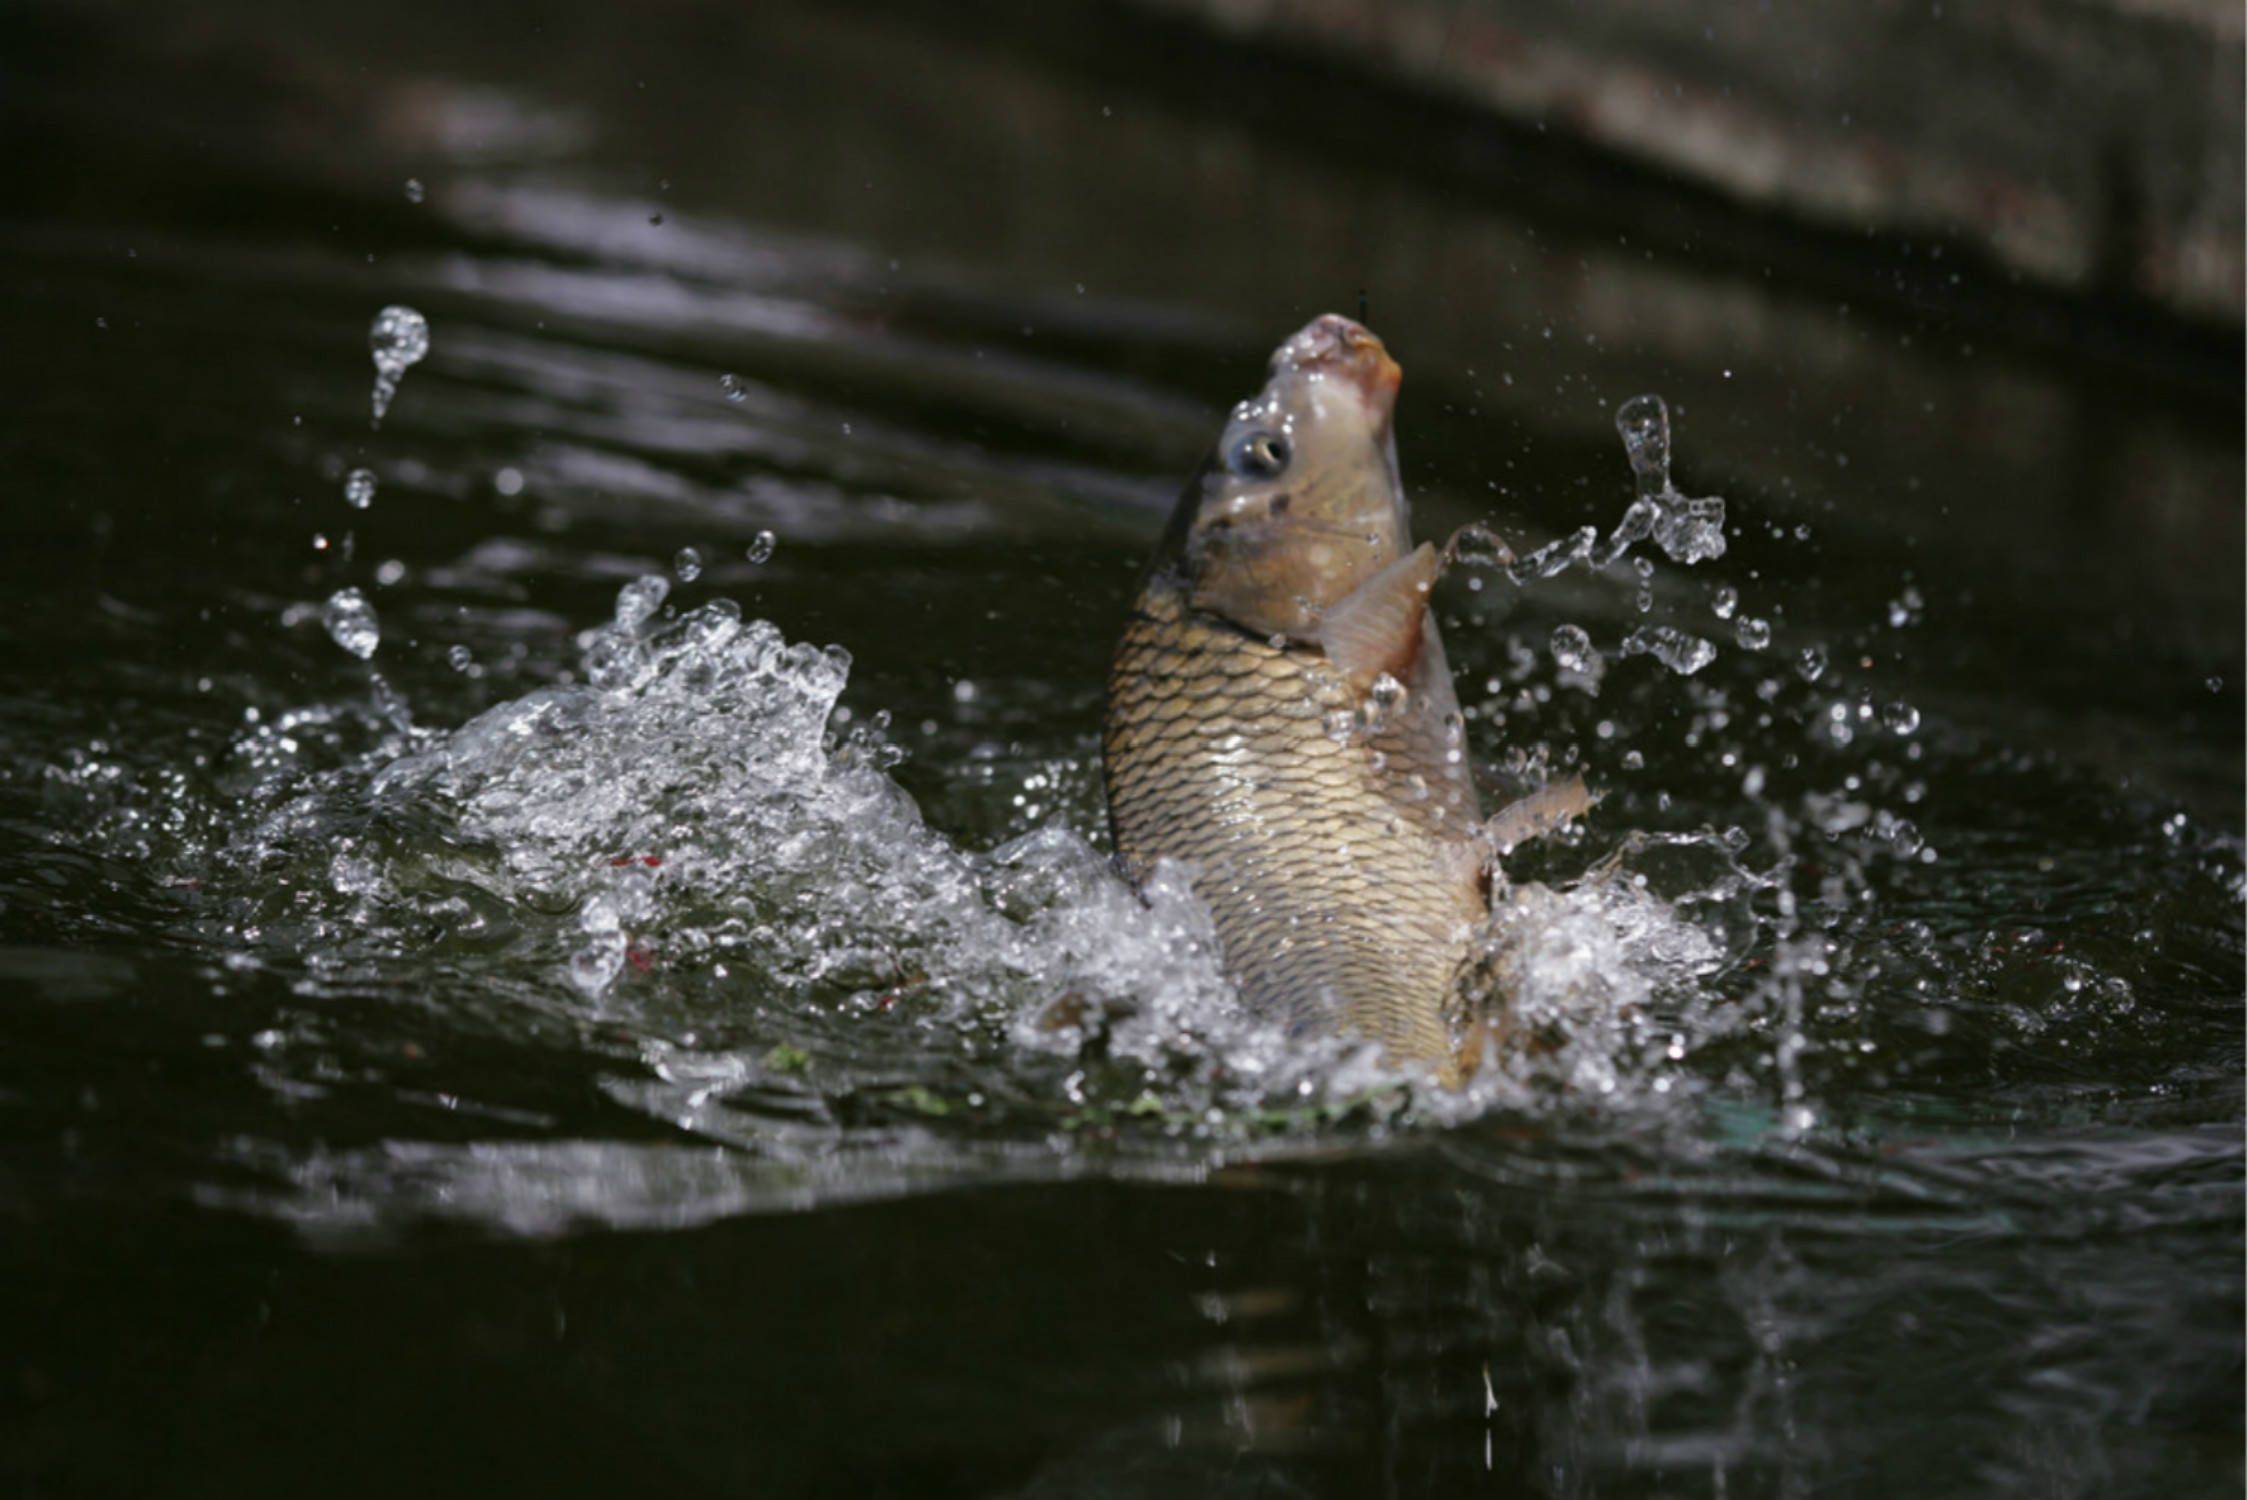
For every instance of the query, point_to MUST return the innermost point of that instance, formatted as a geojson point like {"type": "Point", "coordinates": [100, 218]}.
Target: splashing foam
{"type": "Point", "coordinates": [689, 805]}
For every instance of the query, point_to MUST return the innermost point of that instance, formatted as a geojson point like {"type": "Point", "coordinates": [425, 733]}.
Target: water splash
{"type": "Point", "coordinates": [1688, 530]}
{"type": "Point", "coordinates": [1682, 653]}
{"type": "Point", "coordinates": [398, 341]}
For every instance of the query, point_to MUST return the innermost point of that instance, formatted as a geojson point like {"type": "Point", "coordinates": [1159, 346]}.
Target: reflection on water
{"type": "Point", "coordinates": [597, 1028]}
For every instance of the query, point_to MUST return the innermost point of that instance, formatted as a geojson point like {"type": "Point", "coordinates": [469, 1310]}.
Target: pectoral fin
{"type": "Point", "coordinates": [1539, 813]}
{"type": "Point", "coordinates": [1376, 627]}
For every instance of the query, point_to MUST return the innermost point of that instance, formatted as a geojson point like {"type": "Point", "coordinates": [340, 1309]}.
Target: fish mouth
{"type": "Point", "coordinates": [1340, 349]}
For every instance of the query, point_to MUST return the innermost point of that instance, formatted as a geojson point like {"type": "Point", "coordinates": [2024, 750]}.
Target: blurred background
{"type": "Point", "coordinates": [900, 324]}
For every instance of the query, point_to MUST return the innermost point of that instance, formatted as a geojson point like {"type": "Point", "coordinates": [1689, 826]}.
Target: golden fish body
{"type": "Point", "coordinates": [1338, 864]}
{"type": "Point", "coordinates": [1280, 718]}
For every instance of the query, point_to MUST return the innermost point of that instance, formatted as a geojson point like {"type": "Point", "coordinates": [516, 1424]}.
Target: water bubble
{"type": "Point", "coordinates": [1812, 663]}
{"type": "Point", "coordinates": [1726, 601]}
{"type": "Point", "coordinates": [460, 658]}
{"type": "Point", "coordinates": [415, 192]}
{"type": "Point", "coordinates": [359, 488]}
{"type": "Point", "coordinates": [398, 340]}
{"type": "Point", "coordinates": [688, 565]}
{"type": "Point", "coordinates": [390, 572]}
{"type": "Point", "coordinates": [638, 600]}
{"type": "Point", "coordinates": [1900, 717]}
{"type": "Point", "coordinates": [761, 547]}
{"type": "Point", "coordinates": [736, 389]}
{"type": "Point", "coordinates": [508, 481]}
{"type": "Point", "coordinates": [351, 623]}
{"type": "Point", "coordinates": [1682, 653]}
{"type": "Point", "coordinates": [1752, 634]}
{"type": "Point", "coordinates": [2215, 684]}
{"type": "Point", "coordinates": [1905, 608]}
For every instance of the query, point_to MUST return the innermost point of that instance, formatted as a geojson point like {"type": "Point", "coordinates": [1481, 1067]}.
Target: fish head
{"type": "Point", "coordinates": [1299, 502]}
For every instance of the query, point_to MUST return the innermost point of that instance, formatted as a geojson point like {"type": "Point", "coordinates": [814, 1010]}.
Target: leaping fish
{"type": "Point", "coordinates": [1281, 719]}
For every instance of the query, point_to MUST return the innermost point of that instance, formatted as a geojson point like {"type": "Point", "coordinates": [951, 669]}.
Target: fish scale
{"type": "Point", "coordinates": [1340, 871]}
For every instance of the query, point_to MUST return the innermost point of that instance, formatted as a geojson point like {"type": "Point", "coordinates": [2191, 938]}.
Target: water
{"type": "Point", "coordinates": [676, 1022]}
{"type": "Point", "coordinates": [399, 340]}
{"type": "Point", "coordinates": [351, 623]}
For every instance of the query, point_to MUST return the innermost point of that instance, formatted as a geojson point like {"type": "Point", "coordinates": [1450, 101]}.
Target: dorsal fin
{"type": "Point", "coordinates": [1375, 628]}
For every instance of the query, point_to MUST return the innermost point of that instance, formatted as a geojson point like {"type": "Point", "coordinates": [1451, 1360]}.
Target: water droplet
{"type": "Point", "coordinates": [1682, 653]}
{"type": "Point", "coordinates": [359, 488]}
{"type": "Point", "coordinates": [1573, 650]}
{"type": "Point", "coordinates": [2215, 684]}
{"type": "Point", "coordinates": [638, 600]}
{"type": "Point", "coordinates": [761, 547]}
{"type": "Point", "coordinates": [1554, 557]}
{"type": "Point", "coordinates": [736, 389]}
{"type": "Point", "coordinates": [1726, 601]}
{"type": "Point", "coordinates": [460, 658]}
{"type": "Point", "coordinates": [1752, 634]}
{"type": "Point", "coordinates": [1900, 717]}
{"type": "Point", "coordinates": [508, 481]}
{"type": "Point", "coordinates": [415, 192]}
{"type": "Point", "coordinates": [1811, 664]}
{"type": "Point", "coordinates": [1475, 545]}
{"type": "Point", "coordinates": [1382, 699]}
{"type": "Point", "coordinates": [351, 623]}
{"type": "Point", "coordinates": [390, 572]}
{"type": "Point", "coordinates": [398, 340]}
{"type": "Point", "coordinates": [688, 565]}
{"type": "Point", "coordinates": [1644, 422]}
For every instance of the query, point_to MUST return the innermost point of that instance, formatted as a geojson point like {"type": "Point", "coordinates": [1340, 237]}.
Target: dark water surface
{"type": "Point", "coordinates": [662, 1082]}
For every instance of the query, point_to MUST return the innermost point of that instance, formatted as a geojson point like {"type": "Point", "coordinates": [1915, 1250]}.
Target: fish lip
{"type": "Point", "coordinates": [1334, 347]}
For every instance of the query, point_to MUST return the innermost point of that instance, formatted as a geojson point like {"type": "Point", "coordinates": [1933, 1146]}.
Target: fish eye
{"type": "Point", "coordinates": [1259, 455]}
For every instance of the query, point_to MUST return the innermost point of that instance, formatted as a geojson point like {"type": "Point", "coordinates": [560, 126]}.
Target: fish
{"type": "Point", "coordinates": [1280, 719]}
